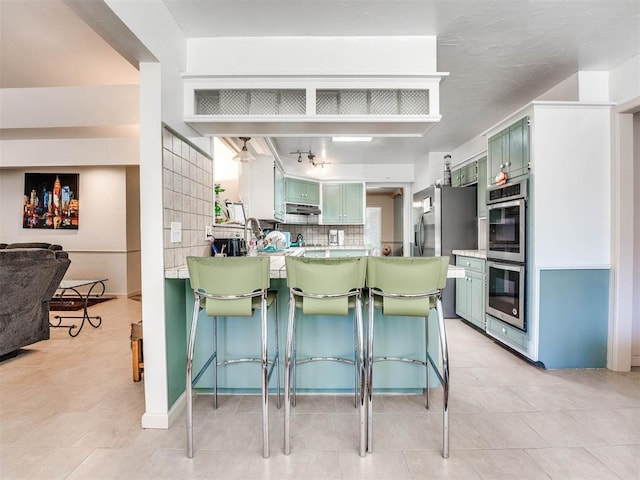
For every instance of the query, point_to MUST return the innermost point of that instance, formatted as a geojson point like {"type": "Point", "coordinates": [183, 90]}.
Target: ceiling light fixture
{"type": "Point", "coordinates": [351, 139]}
{"type": "Point", "coordinates": [310, 156]}
{"type": "Point", "coordinates": [244, 155]}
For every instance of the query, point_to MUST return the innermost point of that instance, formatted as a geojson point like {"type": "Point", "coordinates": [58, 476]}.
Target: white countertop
{"type": "Point", "coordinates": [471, 253]}
{"type": "Point", "coordinates": [278, 269]}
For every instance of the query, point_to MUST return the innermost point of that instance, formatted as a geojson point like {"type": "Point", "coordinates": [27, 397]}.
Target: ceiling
{"type": "Point", "coordinates": [499, 54]}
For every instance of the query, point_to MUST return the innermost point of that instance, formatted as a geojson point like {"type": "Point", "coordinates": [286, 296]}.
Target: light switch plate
{"type": "Point", "coordinates": [176, 232]}
{"type": "Point", "coordinates": [208, 232]}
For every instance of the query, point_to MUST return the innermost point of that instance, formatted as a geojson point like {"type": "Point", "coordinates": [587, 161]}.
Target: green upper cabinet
{"type": "Point", "coordinates": [279, 210]}
{"type": "Point", "coordinates": [469, 174]}
{"type": "Point", "coordinates": [302, 191]}
{"type": "Point", "coordinates": [456, 177]}
{"type": "Point", "coordinates": [465, 175]}
{"type": "Point", "coordinates": [342, 203]}
{"type": "Point", "coordinates": [482, 187]}
{"type": "Point", "coordinates": [509, 150]}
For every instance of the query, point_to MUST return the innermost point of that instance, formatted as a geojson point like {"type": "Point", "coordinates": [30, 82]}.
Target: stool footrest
{"type": "Point", "coordinates": [324, 359]}
{"type": "Point", "coordinates": [401, 359]}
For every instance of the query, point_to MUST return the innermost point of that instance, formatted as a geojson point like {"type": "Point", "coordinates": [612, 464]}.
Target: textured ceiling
{"type": "Point", "coordinates": [499, 54]}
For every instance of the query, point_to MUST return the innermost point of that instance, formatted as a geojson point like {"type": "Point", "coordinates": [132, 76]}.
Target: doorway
{"type": "Point", "coordinates": [384, 227]}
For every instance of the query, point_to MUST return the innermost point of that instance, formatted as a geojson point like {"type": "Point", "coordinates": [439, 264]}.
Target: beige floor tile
{"type": "Point", "coordinates": [429, 464]}
{"type": "Point", "coordinates": [609, 425]}
{"type": "Point", "coordinates": [69, 409]}
{"type": "Point", "coordinates": [504, 465]}
{"type": "Point", "coordinates": [113, 464]}
{"type": "Point", "coordinates": [571, 464]}
{"type": "Point", "coordinates": [624, 460]}
{"type": "Point", "coordinates": [30, 463]}
{"type": "Point", "coordinates": [376, 466]}
{"type": "Point", "coordinates": [560, 429]}
{"type": "Point", "coordinates": [506, 430]}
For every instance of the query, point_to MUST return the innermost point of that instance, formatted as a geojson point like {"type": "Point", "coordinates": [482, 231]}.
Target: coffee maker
{"type": "Point", "coordinates": [231, 247]}
{"type": "Point", "coordinates": [333, 237]}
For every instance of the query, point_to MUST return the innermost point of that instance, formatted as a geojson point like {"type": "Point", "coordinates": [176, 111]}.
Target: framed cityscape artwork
{"type": "Point", "coordinates": [51, 200]}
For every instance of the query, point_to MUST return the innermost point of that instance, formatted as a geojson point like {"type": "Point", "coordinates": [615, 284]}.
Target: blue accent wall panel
{"type": "Point", "coordinates": [574, 311]}
{"type": "Point", "coordinates": [176, 337]}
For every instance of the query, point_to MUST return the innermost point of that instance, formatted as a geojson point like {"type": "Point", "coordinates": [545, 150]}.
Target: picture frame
{"type": "Point", "coordinates": [51, 201]}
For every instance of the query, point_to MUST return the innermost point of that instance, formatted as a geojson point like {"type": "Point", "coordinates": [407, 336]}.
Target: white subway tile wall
{"type": "Point", "coordinates": [318, 235]}
{"type": "Point", "coordinates": [187, 188]}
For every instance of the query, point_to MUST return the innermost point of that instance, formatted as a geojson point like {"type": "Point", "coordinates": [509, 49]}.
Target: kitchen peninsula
{"type": "Point", "coordinates": [327, 334]}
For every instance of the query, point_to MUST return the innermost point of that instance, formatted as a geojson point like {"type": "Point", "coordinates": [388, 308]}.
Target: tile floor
{"type": "Point", "coordinates": [70, 410]}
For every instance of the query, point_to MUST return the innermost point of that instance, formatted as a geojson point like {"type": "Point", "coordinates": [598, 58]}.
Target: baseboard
{"type": "Point", "coordinates": [164, 421]}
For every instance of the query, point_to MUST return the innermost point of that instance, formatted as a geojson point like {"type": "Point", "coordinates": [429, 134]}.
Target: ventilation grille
{"type": "Point", "coordinates": [372, 102]}
{"type": "Point", "coordinates": [250, 102]}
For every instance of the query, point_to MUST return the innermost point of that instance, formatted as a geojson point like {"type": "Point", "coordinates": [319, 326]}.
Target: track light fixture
{"type": "Point", "coordinates": [310, 156]}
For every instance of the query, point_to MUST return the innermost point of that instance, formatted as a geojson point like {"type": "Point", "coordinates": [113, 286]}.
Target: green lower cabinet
{"type": "Point", "coordinates": [470, 295]}
{"type": "Point", "coordinates": [507, 334]}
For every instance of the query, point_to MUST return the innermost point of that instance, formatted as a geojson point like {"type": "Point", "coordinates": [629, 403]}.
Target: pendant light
{"type": "Point", "coordinates": [244, 155]}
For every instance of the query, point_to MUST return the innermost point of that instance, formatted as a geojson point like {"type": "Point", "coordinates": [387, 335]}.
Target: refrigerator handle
{"type": "Point", "coordinates": [420, 239]}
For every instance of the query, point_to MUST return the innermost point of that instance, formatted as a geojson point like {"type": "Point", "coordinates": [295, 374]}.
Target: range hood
{"type": "Point", "coordinates": [300, 209]}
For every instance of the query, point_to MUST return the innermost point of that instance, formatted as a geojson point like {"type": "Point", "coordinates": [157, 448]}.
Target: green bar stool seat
{"type": "Point", "coordinates": [409, 286]}
{"type": "Point", "coordinates": [231, 287]}
{"type": "Point", "coordinates": [325, 286]}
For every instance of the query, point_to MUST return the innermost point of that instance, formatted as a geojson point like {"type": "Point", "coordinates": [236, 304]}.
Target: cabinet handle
{"type": "Point", "coordinates": [504, 330]}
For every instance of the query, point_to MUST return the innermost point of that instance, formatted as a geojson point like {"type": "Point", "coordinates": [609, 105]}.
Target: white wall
{"type": "Point", "coordinates": [99, 248]}
{"type": "Point", "coordinates": [624, 81]}
{"type": "Point", "coordinates": [89, 106]}
{"type": "Point", "coordinates": [571, 167]}
{"type": "Point", "coordinates": [313, 55]}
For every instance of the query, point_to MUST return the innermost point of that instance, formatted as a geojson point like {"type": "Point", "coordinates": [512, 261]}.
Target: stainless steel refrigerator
{"type": "Point", "coordinates": [445, 220]}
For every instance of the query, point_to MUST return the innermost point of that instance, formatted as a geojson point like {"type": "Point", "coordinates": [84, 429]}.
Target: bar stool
{"type": "Point", "coordinates": [325, 286]}
{"type": "Point", "coordinates": [231, 287]}
{"type": "Point", "coordinates": [409, 286]}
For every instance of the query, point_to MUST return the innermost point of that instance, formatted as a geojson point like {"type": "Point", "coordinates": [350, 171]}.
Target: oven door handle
{"type": "Point", "coordinates": [510, 203]}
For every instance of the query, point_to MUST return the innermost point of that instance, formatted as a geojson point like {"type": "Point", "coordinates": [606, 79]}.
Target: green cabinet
{"type": "Point", "coordinates": [464, 175]}
{"type": "Point", "coordinates": [456, 177]}
{"type": "Point", "coordinates": [470, 295]}
{"type": "Point", "coordinates": [342, 203]}
{"type": "Point", "coordinates": [469, 174]}
{"type": "Point", "coordinates": [482, 187]}
{"type": "Point", "coordinates": [508, 150]}
{"type": "Point", "coordinates": [302, 191]}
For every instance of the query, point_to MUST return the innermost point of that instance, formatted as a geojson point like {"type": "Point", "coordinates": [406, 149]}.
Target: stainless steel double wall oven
{"type": "Point", "coordinates": [506, 252]}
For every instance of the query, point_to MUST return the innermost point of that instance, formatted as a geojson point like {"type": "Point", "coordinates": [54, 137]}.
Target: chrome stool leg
{"type": "Point", "coordinates": [289, 369]}
{"type": "Point", "coordinates": [189, 384]}
{"type": "Point", "coordinates": [369, 375]}
{"type": "Point", "coordinates": [426, 359]}
{"type": "Point", "coordinates": [265, 378]}
{"type": "Point", "coordinates": [215, 362]}
{"type": "Point", "coordinates": [359, 367]}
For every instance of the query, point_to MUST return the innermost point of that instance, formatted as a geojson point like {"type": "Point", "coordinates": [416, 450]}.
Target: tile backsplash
{"type": "Point", "coordinates": [187, 191]}
{"type": "Point", "coordinates": [318, 235]}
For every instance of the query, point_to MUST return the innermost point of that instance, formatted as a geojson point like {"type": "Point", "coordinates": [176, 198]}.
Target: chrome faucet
{"type": "Point", "coordinates": [255, 228]}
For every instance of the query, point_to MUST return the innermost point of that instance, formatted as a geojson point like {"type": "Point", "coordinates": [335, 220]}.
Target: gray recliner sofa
{"type": "Point", "coordinates": [29, 276]}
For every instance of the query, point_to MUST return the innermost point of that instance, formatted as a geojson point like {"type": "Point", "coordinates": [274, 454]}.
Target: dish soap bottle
{"type": "Point", "coordinates": [253, 247]}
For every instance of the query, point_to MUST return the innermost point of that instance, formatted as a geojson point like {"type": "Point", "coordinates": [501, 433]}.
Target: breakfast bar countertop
{"type": "Point", "coordinates": [278, 269]}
